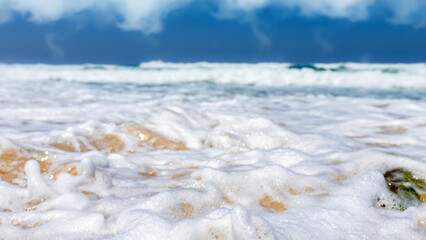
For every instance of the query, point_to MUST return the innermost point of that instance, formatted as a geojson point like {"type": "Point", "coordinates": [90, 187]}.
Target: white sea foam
{"type": "Point", "coordinates": [175, 151]}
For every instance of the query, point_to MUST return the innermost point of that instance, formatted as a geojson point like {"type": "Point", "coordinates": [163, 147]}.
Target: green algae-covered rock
{"type": "Point", "coordinates": [408, 189]}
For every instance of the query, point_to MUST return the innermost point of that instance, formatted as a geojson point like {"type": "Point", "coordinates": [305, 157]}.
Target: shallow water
{"type": "Point", "coordinates": [210, 151]}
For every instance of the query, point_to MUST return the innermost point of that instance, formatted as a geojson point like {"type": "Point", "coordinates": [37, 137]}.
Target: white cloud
{"type": "Point", "coordinates": [5, 14]}
{"type": "Point", "coordinates": [143, 15]}
{"type": "Point", "coordinates": [412, 12]}
{"type": "Point", "coordinates": [54, 48]}
{"type": "Point", "coordinates": [320, 39]}
{"type": "Point", "coordinates": [47, 10]}
{"type": "Point", "coordinates": [244, 10]}
{"type": "Point", "coordinates": [351, 9]}
{"type": "Point", "coordinates": [148, 15]}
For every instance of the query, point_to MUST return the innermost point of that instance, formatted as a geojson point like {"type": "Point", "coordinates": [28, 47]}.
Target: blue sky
{"type": "Point", "coordinates": [132, 31]}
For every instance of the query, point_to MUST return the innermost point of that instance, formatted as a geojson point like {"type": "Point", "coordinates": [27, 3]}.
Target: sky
{"type": "Point", "coordinates": [134, 31]}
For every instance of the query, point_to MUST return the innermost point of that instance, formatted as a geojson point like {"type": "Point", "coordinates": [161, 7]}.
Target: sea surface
{"type": "Point", "coordinates": [213, 151]}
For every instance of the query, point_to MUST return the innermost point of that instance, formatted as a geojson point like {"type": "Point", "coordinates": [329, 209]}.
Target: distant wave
{"type": "Point", "coordinates": [359, 75]}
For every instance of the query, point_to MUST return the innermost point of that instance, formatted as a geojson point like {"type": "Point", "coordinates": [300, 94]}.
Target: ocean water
{"type": "Point", "coordinates": [213, 151]}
